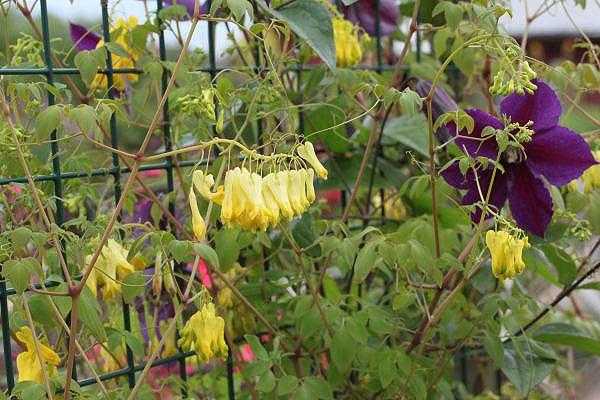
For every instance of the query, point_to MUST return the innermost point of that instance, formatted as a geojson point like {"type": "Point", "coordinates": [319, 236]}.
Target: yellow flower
{"type": "Point", "coordinates": [110, 268]}
{"type": "Point", "coordinates": [204, 333]}
{"type": "Point", "coordinates": [198, 224]}
{"type": "Point", "coordinates": [28, 363]}
{"type": "Point", "coordinates": [507, 253]}
{"type": "Point", "coordinates": [119, 34]}
{"type": "Point", "coordinates": [347, 43]}
{"type": "Point", "coordinates": [277, 184]}
{"type": "Point", "coordinates": [307, 152]}
{"type": "Point", "coordinates": [591, 177]}
{"type": "Point", "coordinates": [204, 183]}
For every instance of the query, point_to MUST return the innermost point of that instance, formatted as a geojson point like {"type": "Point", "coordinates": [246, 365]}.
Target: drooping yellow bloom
{"type": "Point", "coordinates": [204, 333]}
{"type": "Point", "coordinates": [347, 43]}
{"type": "Point", "coordinates": [307, 152]}
{"type": "Point", "coordinates": [28, 363]}
{"type": "Point", "coordinates": [203, 184]}
{"type": "Point", "coordinates": [111, 268]}
{"type": "Point", "coordinates": [254, 202]}
{"type": "Point", "coordinates": [198, 224]}
{"type": "Point", "coordinates": [591, 177]}
{"type": "Point", "coordinates": [507, 253]}
{"type": "Point", "coordinates": [119, 34]}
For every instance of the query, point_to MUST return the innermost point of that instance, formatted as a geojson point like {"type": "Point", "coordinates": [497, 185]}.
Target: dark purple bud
{"type": "Point", "coordinates": [82, 37]}
{"type": "Point", "coordinates": [364, 13]}
{"type": "Point", "coordinates": [441, 104]}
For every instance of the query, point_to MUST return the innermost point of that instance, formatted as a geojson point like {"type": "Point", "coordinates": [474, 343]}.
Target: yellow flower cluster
{"type": "Point", "coordinates": [591, 177]}
{"type": "Point", "coordinates": [110, 268]}
{"type": "Point", "coordinates": [254, 202]}
{"type": "Point", "coordinates": [28, 363]}
{"type": "Point", "coordinates": [347, 43]}
{"type": "Point", "coordinates": [204, 333]}
{"type": "Point", "coordinates": [507, 253]}
{"type": "Point", "coordinates": [119, 34]}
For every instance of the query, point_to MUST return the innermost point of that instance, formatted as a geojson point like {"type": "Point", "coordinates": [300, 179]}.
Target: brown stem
{"type": "Point", "coordinates": [71, 350]}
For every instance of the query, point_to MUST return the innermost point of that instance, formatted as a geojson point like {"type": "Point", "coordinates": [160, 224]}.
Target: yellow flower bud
{"type": "Point", "coordinates": [198, 224]}
{"type": "Point", "coordinates": [309, 177]}
{"type": "Point", "coordinates": [307, 152]}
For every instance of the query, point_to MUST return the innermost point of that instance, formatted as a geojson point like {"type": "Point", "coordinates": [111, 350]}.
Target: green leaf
{"type": "Point", "coordinates": [239, 8]}
{"type": "Point", "coordinates": [181, 250]}
{"type": "Point", "coordinates": [41, 310]}
{"type": "Point", "coordinates": [311, 21]}
{"type": "Point", "coordinates": [563, 262]}
{"type": "Point", "coordinates": [410, 102]}
{"type": "Point", "coordinates": [88, 62]}
{"type": "Point", "coordinates": [85, 118]}
{"type": "Point", "coordinates": [207, 253]}
{"type": "Point", "coordinates": [266, 382]}
{"type": "Point", "coordinates": [47, 121]}
{"type": "Point", "coordinates": [452, 13]}
{"type": "Point", "coordinates": [409, 130]}
{"type": "Point", "coordinates": [174, 12]}
{"type": "Point", "coordinates": [567, 335]}
{"type": "Point", "coordinates": [523, 367]}
{"type": "Point", "coordinates": [20, 237]}
{"type": "Point", "coordinates": [318, 388]}
{"type": "Point", "coordinates": [227, 247]}
{"type": "Point", "coordinates": [387, 368]}
{"type": "Point", "coordinates": [365, 262]}
{"type": "Point", "coordinates": [287, 385]}
{"type": "Point", "coordinates": [133, 285]}
{"type": "Point", "coordinates": [90, 315]}
{"type": "Point", "coordinates": [257, 347]}
{"type": "Point", "coordinates": [342, 351]}
{"type": "Point", "coordinates": [116, 49]}
{"type": "Point", "coordinates": [135, 343]}
{"type": "Point", "coordinates": [19, 272]}
{"type": "Point", "coordinates": [304, 234]}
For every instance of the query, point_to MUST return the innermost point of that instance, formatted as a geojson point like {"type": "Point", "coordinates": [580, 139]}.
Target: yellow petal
{"type": "Point", "coordinates": [310, 187]}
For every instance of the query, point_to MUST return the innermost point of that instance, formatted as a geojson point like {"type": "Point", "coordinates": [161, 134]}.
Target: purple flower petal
{"type": "Point", "coordinates": [471, 143]}
{"type": "Point", "coordinates": [82, 37]}
{"type": "Point", "coordinates": [363, 13]}
{"type": "Point", "coordinates": [454, 177]}
{"type": "Point", "coordinates": [542, 107]}
{"type": "Point", "coordinates": [559, 154]}
{"type": "Point", "coordinates": [530, 201]}
{"type": "Point", "coordinates": [189, 5]}
{"type": "Point", "coordinates": [498, 194]}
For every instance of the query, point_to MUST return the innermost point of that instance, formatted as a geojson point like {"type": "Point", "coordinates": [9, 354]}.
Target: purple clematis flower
{"type": "Point", "coordinates": [364, 13]}
{"type": "Point", "coordinates": [555, 155]}
{"type": "Point", "coordinates": [83, 38]}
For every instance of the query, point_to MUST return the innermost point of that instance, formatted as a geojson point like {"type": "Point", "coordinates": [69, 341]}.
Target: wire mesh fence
{"type": "Point", "coordinates": [58, 176]}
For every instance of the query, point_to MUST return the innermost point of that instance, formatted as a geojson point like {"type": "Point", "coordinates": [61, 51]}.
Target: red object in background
{"type": "Point", "coordinates": [246, 353]}
{"type": "Point", "coordinates": [332, 197]}
{"type": "Point", "coordinates": [152, 173]}
{"type": "Point", "coordinates": [204, 275]}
